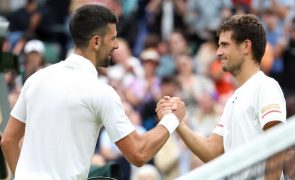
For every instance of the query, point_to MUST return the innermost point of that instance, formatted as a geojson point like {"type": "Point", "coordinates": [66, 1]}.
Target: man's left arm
{"type": "Point", "coordinates": [272, 112]}
{"type": "Point", "coordinates": [274, 164]}
{"type": "Point", "coordinates": [10, 142]}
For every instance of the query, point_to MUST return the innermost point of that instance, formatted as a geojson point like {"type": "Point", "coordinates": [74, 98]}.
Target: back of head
{"type": "Point", "coordinates": [90, 20]}
{"type": "Point", "coordinates": [246, 27]}
{"type": "Point", "coordinates": [147, 171]}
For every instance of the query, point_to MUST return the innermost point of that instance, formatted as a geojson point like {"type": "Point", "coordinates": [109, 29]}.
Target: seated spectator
{"type": "Point", "coordinates": [127, 75]}
{"type": "Point", "coordinates": [150, 60]}
{"type": "Point", "coordinates": [146, 172]}
{"type": "Point", "coordinates": [33, 58]}
{"type": "Point", "coordinates": [223, 81]}
{"type": "Point", "coordinates": [23, 22]}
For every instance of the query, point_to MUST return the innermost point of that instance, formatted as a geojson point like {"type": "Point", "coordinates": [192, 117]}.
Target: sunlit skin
{"type": "Point", "coordinates": [236, 58]}
{"type": "Point", "coordinates": [108, 44]}
{"type": "Point", "coordinates": [230, 54]}
{"type": "Point", "coordinates": [100, 47]}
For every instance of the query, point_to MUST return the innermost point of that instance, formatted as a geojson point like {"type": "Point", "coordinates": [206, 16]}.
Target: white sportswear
{"type": "Point", "coordinates": [64, 106]}
{"type": "Point", "coordinates": [258, 101]}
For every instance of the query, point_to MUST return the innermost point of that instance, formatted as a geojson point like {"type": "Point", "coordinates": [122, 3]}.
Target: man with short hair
{"type": "Point", "coordinates": [61, 109]}
{"type": "Point", "coordinates": [257, 105]}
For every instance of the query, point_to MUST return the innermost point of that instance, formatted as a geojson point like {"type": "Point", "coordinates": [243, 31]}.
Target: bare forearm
{"type": "Point", "coordinates": [139, 149]}
{"type": "Point", "coordinates": [154, 140]}
{"type": "Point", "coordinates": [274, 167]}
{"type": "Point", "coordinates": [11, 153]}
{"type": "Point", "coordinates": [11, 138]}
{"type": "Point", "coordinates": [200, 146]}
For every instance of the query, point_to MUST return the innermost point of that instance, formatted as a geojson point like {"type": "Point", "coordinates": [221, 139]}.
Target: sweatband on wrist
{"type": "Point", "coordinates": [170, 122]}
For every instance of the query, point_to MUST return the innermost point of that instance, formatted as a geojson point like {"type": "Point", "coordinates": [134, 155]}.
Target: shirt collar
{"type": "Point", "coordinates": [82, 62]}
{"type": "Point", "coordinates": [252, 79]}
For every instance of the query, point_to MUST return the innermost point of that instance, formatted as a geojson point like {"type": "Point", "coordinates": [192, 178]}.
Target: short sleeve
{"type": "Point", "coordinates": [19, 110]}
{"type": "Point", "coordinates": [219, 127]}
{"type": "Point", "coordinates": [272, 105]}
{"type": "Point", "coordinates": [112, 114]}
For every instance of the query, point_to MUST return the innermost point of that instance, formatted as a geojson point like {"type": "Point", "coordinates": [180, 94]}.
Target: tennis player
{"type": "Point", "coordinates": [257, 105]}
{"type": "Point", "coordinates": [61, 109]}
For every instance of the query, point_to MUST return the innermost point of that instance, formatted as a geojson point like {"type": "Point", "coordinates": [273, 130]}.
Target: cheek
{"type": "Point", "coordinates": [103, 51]}
{"type": "Point", "coordinates": [232, 53]}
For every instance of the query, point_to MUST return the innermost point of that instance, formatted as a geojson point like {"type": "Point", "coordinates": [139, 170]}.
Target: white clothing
{"type": "Point", "coordinates": [64, 107]}
{"type": "Point", "coordinates": [107, 143]}
{"type": "Point", "coordinates": [258, 101]}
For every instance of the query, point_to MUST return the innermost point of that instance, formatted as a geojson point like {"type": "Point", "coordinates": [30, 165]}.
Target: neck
{"type": "Point", "coordinates": [84, 53]}
{"type": "Point", "coordinates": [247, 71]}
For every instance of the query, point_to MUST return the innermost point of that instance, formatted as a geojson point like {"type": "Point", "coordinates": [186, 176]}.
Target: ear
{"type": "Point", "coordinates": [95, 42]}
{"type": "Point", "coordinates": [247, 46]}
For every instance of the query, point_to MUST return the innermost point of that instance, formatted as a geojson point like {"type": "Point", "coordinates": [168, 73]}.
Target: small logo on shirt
{"type": "Point", "coordinates": [235, 99]}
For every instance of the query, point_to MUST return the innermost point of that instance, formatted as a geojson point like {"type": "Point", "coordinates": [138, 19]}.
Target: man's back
{"type": "Point", "coordinates": [61, 127]}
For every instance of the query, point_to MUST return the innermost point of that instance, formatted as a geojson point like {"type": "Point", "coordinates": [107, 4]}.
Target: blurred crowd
{"type": "Point", "coordinates": [166, 47]}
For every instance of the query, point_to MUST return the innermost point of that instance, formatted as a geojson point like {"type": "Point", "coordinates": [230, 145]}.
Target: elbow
{"type": "Point", "coordinates": [207, 159]}
{"type": "Point", "coordinates": [7, 142]}
{"type": "Point", "coordinates": [3, 142]}
{"type": "Point", "coordinates": [139, 159]}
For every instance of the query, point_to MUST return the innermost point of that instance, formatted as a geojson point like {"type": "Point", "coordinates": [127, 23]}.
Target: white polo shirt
{"type": "Point", "coordinates": [258, 101]}
{"type": "Point", "coordinates": [64, 107]}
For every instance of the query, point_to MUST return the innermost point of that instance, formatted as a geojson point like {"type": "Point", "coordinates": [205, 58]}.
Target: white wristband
{"type": "Point", "coordinates": [170, 122]}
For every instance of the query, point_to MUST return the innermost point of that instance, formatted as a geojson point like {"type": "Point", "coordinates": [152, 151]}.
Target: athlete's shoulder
{"type": "Point", "coordinates": [268, 81]}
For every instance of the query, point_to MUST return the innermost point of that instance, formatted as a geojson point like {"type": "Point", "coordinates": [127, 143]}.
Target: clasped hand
{"type": "Point", "coordinates": [171, 105]}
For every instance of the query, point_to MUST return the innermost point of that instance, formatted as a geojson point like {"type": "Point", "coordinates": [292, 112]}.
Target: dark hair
{"type": "Point", "coordinates": [245, 27]}
{"type": "Point", "coordinates": [89, 20]}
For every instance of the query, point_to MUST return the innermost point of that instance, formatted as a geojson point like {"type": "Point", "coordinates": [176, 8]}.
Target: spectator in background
{"type": "Point", "coordinates": [203, 17]}
{"type": "Point", "coordinates": [23, 23]}
{"type": "Point", "coordinates": [150, 59]}
{"type": "Point", "coordinates": [166, 17]}
{"type": "Point", "coordinates": [205, 55]}
{"type": "Point", "coordinates": [14, 88]}
{"type": "Point", "coordinates": [33, 59]}
{"type": "Point", "coordinates": [147, 172]}
{"type": "Point", "coordinates": [275, 36]}
{"type": "Point", "coordinates": [168, 159]}
{"type": "Point", "coordinates": [177, 44]}
{"type": "Point", "coordinates": [127, 75]}
{"type": "Point", "coordinates": [151, 17]}
{"type": "Point", "coordinates": [62, 108]}
{"type": "Point", "coordinates": [288, 83]}
{"type": "Point", "coordinates": [128, 6]}
{"type": "Point", "coordinates": [242, 6]}
{"type": "Point", "coordinates": [223, 81]}
{"type": "Point", "coordinates": [267, 59]}
{"type": "Point", "coordinates": [194, 87]}
{"type": "Point", "coordinates": [282, 8]}
{"type": "Point", "coordinates": [132, 25]}
{"type": "Point", "coordinates": [51, 28]}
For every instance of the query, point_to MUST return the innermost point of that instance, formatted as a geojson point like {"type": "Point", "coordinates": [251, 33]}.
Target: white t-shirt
{"type": "Point", "coordinates": [258, 101]}
{"type": "Point", "coordinates": [64, 107]}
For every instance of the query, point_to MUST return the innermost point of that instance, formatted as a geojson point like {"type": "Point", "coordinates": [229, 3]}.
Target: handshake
{"type": "Point", "coordinates": [170, 111]}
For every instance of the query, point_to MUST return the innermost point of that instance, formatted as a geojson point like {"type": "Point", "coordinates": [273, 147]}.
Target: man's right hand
{"type": "Point", "coordinates": [180, 108]}
{"type": "Point", "coordinates": [171, 105]}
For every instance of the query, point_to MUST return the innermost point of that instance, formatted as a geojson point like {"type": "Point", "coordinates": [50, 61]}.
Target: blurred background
{"type": "Point", "coordinates": [167, 47]}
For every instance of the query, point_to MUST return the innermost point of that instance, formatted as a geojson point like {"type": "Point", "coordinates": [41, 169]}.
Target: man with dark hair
{"type": "Point", "coordinates": [61, 109]}
{"type": "Point", "coordinates": [257, 105]}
